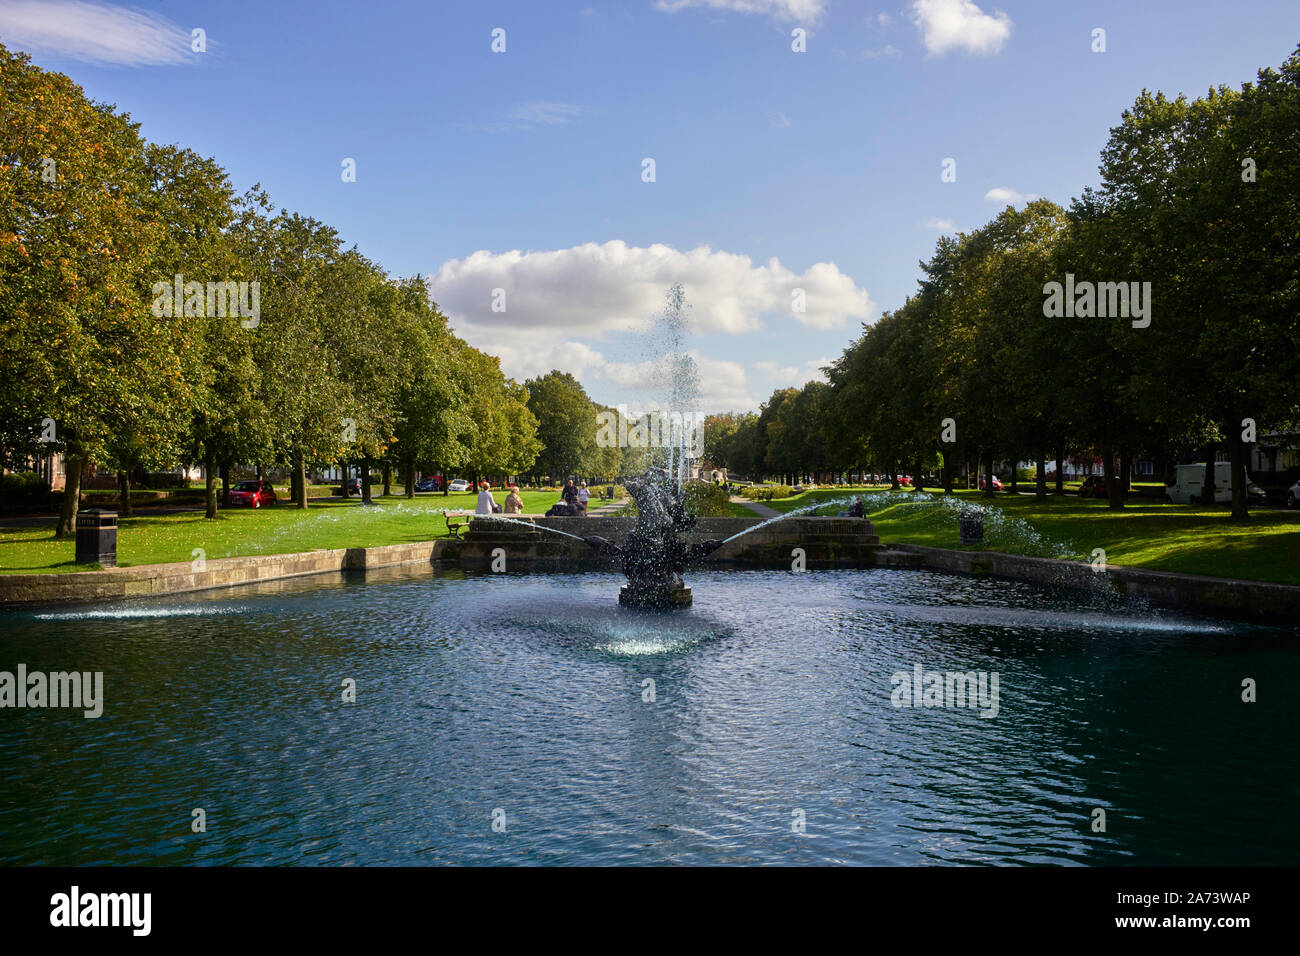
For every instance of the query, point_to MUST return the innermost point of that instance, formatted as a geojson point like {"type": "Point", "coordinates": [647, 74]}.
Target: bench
{"type": "Point", "coordinates": [454, 527]}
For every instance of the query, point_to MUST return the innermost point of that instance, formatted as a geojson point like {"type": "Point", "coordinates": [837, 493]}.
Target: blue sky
{"type": "Point", "coordinates": [522, 170]}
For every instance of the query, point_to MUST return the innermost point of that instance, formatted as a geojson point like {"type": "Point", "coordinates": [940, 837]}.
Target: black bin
{"type": "Point", "coordinates": [972, 527]}
{"type": "Point", "coordinates": [97, 537]}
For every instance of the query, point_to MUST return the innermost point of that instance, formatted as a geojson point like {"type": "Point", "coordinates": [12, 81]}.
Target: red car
{"type": "Point", "coordinates": [997, 484]}
{"type": "Point", "coordinates": [255, 494]}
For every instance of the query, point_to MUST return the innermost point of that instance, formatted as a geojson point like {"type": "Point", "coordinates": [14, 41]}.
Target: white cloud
{"type": "Point", "coordinates": [593, 289]}
{"type": "Point", "coordinates": [545, 114]}
{"type": "Point", "coordinates": [802, 11]}
{"type": "Point", "coordinates": [886, 52]}
{"type": "Point", "coordinates": [947, 25]}
{"type": "Point", "coordinates": [781, 121]}
{"type": "Point", "coordinates": [1005, 194]}
{"type": "Point", "coordinates": [884, 19]}
{"type": "Point", "coordinates": [943, 225]}
{"type": "Point", "coordinates": [94, 32]}
{"type": "Point", "coordinates": [791, 376]}
{"type": "Point", "coordinates": [560, 304]}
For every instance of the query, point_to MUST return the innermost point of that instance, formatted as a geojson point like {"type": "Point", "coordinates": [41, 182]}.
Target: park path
{"type": "Point", "coordinates": [763, 511]}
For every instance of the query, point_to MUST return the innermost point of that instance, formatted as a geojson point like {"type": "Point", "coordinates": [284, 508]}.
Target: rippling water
{"type": "Point", "coordinates": [525, 694]}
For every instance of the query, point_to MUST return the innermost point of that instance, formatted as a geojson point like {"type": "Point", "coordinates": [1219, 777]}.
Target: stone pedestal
{"type": "Point", "coordinates": [640, 597]}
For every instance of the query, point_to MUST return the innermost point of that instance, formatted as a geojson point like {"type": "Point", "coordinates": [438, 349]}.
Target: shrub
{"type": "Point", "coordinates": [767, 492]}
{"type": "Point", "coordinates": [707, 500]}
{"type": "Point", "coordinates": [23, 491]}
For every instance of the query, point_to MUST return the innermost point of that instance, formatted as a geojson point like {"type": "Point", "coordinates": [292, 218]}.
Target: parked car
{"type": "Point", "coordinates": [1187, 486]}
{"type": "Point", "coordinates": [254, 494]}
{"type": "Point", "coordinates": [905, 480]}
{"type": "Point", "coordinates": [459, 485]}
{"type": "Point", "coordinates": [1094, 486]}
{"type": "Point", "coordinates": [1293, 496]}
{"type": "Point", "coordinates": [429, 483]}
{"type": "Point", "coordinates": [997, 483]}
{"type": "Point", "coordinates": [354, 487]}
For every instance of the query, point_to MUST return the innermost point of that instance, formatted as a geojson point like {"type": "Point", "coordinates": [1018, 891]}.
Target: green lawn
{"type": "Point", "coordinates": [1145, 534]}
{"type": "Point", "coordinates": [279, 530]}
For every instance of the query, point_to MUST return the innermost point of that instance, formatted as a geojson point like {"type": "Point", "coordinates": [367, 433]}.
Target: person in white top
{"type": "Point", "coordinates": [486, 503]}
{"type": "Point", "coordinates": [583, 497]}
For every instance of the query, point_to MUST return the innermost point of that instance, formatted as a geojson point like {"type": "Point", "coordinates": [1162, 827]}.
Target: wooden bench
{"type": "Point", "coordinates": [454, 527]}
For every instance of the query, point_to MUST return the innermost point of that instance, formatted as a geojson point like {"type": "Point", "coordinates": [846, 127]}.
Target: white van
{"type": "Point", "coordinates": [1189, 479]}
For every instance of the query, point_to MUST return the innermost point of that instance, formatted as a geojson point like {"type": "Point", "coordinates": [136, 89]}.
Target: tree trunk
{"type": "Point", "coordinates": [1060, 469]}
{"type": "Point", "coordinates": [365, 481]}
{"type": "Point", "coordinates": [388, 479]}
{"type": "Point", "coordinates": [893, 478]}
{"type": "Point", "coordinates": [124, 493]}
{"type": "Point", "coordinates": [445, 483]}
{"type": "Point", "coordinates": [916, 477]}
{"type": "Point", "coordinates": [988, 474]}
{"type": "Point", "coordinates": [73, 466]}
{"type": "Point", "coordinates": [225, 484]}
{"type": "Point", "coordinates": [1125, 472]}
{"type": "Point", "coordinates": [1015, 476]}
{"type": "Point", "coordinates": [1114, 499]}
{"type": "Point", "coordinates": [300, 478]}
{"type": "Point", "coordinates": [1237, 451]}
{"type": "Point", "coordinates": [210, 483]}
{"type": "Point", "coordinates": [409, 472]}
{"type": "Point", "coordinates": [343, 469]}
{"type": "Point", "coordinates": [1040, 477]}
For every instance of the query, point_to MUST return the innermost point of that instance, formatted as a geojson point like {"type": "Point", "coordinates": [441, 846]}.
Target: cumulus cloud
{"type": "Point", "coordinates": [1005, 194]}
{"type": "Point", "coordinates": [777, 375]}
{"type": "Point", "coordinates": [559, 305]}
{"type": "Point", "coordinates": [100, 33]}
{"type": "Point", "coordinates": [948, 25]}
{"type": "Point", "coordinates": [943, 225]}
{"type": "Point", "coordinates": [803, 11]}
{"type": "Point", "coordinates": [593, 289]}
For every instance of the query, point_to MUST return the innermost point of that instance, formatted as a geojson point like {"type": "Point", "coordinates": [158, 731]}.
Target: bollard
{"type": "Point", "coordinates": [97, 537]}
{"type": "Point", "coordinates": [972, 527]}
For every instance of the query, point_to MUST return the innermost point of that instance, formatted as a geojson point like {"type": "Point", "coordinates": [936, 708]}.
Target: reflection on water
{"type": "Point", "coordinates": [612, 735]}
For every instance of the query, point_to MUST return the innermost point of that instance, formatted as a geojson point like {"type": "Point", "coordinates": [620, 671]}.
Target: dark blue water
{"type": "Point", "coordinates": [524, 694]}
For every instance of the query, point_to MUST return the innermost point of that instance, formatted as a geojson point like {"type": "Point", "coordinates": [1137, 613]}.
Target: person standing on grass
{"type": "Point", "coordinates": [583, 497]}
{"type": "Point", "coordinates": [486, 504]}
{"type": "Point", "coordinates": [570, 495]}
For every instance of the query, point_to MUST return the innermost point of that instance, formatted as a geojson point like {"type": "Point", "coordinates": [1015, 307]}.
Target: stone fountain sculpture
{"type": "Point", "coordinates": [654, 554]}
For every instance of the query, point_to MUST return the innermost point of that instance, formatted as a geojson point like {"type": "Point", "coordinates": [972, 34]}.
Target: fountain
{"type": "Point", "coordinates": [654, 554]}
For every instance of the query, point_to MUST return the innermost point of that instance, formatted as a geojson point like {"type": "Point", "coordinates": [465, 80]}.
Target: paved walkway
{"type": "Point", "coordinates": [605, 509]}
{"type": "Point", "coordinates": [763, 511]}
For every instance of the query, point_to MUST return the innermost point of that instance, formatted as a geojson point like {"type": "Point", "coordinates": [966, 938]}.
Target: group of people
{"type": "Point", "coordinates": [572, 503]}
{"type": "Point", "coordinates": [487, 505]}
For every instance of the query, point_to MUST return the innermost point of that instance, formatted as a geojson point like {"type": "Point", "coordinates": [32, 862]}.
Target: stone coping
{"type": "Point", "coordinates": [1258, 601]}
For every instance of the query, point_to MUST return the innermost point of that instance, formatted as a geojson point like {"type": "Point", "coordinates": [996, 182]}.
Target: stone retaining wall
{"type": "Point", "coordinates": [1228, 597]}
{"type": "Point", "coordinates": [156, 579]}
